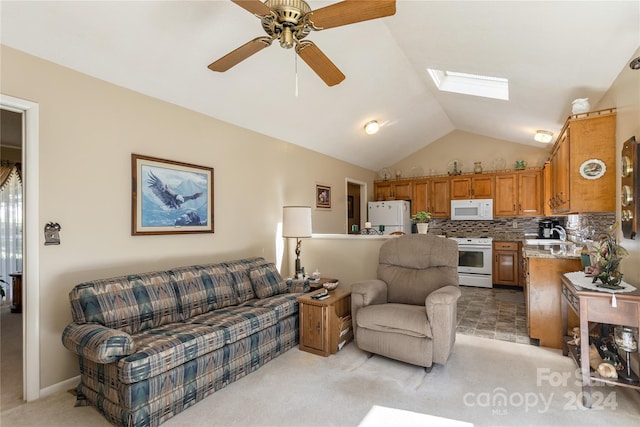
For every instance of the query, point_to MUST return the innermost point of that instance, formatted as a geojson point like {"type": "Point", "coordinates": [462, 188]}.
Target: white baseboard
{"type": "Point", "coordinates": [61, 386]}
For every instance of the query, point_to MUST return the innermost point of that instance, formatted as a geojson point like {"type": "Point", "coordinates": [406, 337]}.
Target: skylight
{"type": "Point", "coordinates": [471, 84]}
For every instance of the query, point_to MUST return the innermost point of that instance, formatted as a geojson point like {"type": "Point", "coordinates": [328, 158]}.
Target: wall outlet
{"type": "Point", "coordinates": [515, 224]}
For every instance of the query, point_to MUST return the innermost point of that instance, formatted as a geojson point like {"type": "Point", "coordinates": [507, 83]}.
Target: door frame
{"type": "Point", "coordinates": [363, 201]}
{"type": "Point", "coordinates": [30, 246]}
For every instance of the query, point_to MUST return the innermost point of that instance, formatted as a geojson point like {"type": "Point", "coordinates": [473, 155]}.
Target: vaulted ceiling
{"type": "Point", "coordinates": [551, 52]}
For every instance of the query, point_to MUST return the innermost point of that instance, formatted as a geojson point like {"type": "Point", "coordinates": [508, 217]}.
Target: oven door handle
{"type": "Point", "coordinates": [473, 247]}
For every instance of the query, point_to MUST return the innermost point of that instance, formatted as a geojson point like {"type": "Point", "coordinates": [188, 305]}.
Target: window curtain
{"type": "Point", "coordinates": [10, 224]}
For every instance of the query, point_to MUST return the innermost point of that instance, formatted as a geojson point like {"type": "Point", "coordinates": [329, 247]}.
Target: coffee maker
{"type": "Point", "coordinates": [546, 231]}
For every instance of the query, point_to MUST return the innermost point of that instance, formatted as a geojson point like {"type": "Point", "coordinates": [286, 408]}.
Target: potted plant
{"type": "Point", "coordinates": [421, 219]}
{"type": "Point", "coordinates": [608, 254]}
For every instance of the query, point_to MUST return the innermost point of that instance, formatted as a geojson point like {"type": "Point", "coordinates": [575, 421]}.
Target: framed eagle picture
{"type": "Point", "coordinates": [169, 197]}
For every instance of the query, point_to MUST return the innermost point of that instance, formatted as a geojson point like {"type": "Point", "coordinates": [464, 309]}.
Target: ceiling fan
{"type": "Point", "coordinates": [290, 21]}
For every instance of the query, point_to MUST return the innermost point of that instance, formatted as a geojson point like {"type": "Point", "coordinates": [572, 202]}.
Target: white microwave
{"type": "Point", "coordinates": [472, 210]}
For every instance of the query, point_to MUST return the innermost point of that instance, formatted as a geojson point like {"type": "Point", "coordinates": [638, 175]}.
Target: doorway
{"type": "Point", "coordinates": [356, 205]}
{"type": "Point", "coordinates": [30, 336]}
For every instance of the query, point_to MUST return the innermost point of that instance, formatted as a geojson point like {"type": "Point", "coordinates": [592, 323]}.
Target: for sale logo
{"type": "Point", "coordinates": [500, 400]}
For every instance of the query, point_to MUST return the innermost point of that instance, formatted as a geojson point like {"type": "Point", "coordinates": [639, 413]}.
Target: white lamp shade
{"type": "Point", "coordinates": [296, 221]}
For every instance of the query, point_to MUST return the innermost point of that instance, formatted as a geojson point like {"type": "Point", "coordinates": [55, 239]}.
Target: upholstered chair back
{"type": "Point", "coordinates": [415, 265]}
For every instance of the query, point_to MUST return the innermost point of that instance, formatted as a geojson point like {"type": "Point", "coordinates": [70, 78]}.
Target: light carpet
{"type": "Point", "coordinates": [485, 383]}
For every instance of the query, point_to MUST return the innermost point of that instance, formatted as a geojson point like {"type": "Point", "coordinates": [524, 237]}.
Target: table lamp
{"type": "Point", "coordinates": [296, 222]}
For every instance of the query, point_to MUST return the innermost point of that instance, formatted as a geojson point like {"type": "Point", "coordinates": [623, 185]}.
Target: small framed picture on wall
{"type": "Point", "coordinates": [323, 196]}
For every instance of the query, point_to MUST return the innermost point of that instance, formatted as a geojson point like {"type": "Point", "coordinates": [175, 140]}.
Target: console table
{"type": "Point", "coordinates": [594, 306]}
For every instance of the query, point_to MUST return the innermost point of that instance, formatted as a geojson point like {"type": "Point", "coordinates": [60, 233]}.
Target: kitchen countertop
{"type": "Point", "coordinates": [554, 252]}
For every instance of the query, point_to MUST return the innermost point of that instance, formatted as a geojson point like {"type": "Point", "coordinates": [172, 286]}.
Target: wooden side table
{"type": "Point", "coordinates": [325, 325]}
{"type": "Point", "coordinates": [593, 306]}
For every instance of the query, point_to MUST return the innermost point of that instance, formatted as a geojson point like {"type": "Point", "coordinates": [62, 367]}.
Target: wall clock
{"type": "Point", "coordinates": [593, 169]}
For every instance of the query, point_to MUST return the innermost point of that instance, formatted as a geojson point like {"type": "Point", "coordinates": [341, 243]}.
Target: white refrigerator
{"type": "Point", "coordinates": [395, 215]}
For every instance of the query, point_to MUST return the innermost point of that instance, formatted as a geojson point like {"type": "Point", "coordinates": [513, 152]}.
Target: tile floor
{"type": "Point", "coordinates": [496, 313]}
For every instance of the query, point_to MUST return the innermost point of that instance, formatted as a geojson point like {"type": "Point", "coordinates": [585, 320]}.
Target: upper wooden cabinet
{"type": "Point", "coordinates": [518, 194]}
{"type": "Point", "coordinates": [431, 195]}
{"type": "Point", "coordinates": [439, 199]}
{"type": "Point", "coordinates": [583, 165]}
{"type": "Point", "coordinates": [472, 187]}
{"type": "Point", "coordinates": [393, 190]}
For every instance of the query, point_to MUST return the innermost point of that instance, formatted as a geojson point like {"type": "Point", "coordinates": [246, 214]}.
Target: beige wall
{"type": "Point", "coordinates": [469, 148]}
{"type": "Point", "coordinates": [624, 94]}
{"type": "Point", "coordinates": [88, 130]}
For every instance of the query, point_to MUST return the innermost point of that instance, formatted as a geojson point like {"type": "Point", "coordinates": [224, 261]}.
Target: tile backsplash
{"type": "Point", "coordinates": [577, 226]}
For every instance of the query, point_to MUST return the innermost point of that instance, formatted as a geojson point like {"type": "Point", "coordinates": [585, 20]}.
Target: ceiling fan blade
{"type": "Point", "coordinates": [254, 6]}
{"type": "Point", "coordinates": [350, 12]}
{"type": "Point", "coordinates": [240, 54]}
{"type": "Point", "coordinates": [319, 62]}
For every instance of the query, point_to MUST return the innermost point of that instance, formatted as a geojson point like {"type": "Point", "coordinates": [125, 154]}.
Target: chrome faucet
{"type": "Point", "coordinates": [561, 231]}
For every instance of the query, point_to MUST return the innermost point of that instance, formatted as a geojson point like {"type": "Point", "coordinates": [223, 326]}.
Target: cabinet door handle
{"type": "Point", "coordinates": [318, 327]}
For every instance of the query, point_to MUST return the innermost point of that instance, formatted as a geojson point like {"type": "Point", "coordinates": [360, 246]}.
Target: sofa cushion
{"type": "Point", "coordinates": [168, 346]}
{"type": "Point", "coordinates": [129, 303]}
{"type": "Point", "coordinates": [395, 318]}
{"type": "Point", "coordinates": [203, 288]}
{"type": "Point", "coordinates": [284, 305]}
{"type": "Point", "coordinates": [266, 281]}
{"type": "Point", "coordinates": [239, 274]}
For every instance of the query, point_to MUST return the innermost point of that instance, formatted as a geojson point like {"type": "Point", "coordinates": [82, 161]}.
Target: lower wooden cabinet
{"type": "Point", "coordinates": [543, 294]}
{"type": "Point", "coordinates": [506, 263]}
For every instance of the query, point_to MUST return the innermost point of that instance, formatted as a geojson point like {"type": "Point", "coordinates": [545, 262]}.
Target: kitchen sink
{"type": "Point", "coordinates": [546, 242]}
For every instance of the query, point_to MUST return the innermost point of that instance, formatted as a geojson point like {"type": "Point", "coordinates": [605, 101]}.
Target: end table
{"type": "Point", "coordinates": [325, 325]}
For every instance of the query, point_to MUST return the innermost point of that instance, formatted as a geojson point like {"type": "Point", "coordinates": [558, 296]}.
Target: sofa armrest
{"type": "Point", "coordinates": [97, 343]}
{"type": "Point", "coordinates": [364, 293]}
{"type": "Point", "coordinates": [441, 306]}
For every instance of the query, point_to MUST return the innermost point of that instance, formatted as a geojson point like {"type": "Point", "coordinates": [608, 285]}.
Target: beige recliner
{"type": "Point", "coordinates": [409, 312]}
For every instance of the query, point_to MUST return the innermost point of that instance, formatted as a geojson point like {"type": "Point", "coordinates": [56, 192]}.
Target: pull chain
{"type": "Point", "coordinates": [296, 69]}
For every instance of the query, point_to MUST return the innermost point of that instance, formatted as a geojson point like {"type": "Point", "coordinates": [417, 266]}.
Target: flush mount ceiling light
{"type": "Point", "coordinates": [543, 136]}
{"type": "Point", "coordinates": [372, 127]}
{"type": "Point", "coordinates": [635, 64]}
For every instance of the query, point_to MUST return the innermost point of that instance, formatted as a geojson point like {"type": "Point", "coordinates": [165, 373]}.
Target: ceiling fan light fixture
{"type": "Point", "coordinates": [372, 127]}
{"type": "Point", "coordinates": [543, 136]}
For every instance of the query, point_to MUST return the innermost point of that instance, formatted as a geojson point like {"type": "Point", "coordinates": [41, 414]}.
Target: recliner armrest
{"type": "Point", "coordinates": [444, 295]}
{"type": "Point", "coordinates": [371, 291]}
{"type": "Point", "coordinates": [97, 343]}
{"type": "Point", "coordinates": [364, 293]}
{"type": "Point", "coordinates": [441, 306]}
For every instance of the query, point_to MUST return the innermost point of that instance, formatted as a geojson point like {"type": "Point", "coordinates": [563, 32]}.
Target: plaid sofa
{"type": "Point", "coordinates": [151, 345]}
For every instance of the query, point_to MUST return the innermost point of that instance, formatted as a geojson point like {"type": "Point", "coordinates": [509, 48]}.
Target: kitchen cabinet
{"type": "Point", "coordinates": [518, 193]}
{"type": "Point", "coordinates": [439, 201]}
{"type": "Point", "coordinates": [420, 199]}
{"type": "Point", "coordinates": [583, 164]}
{"type": "Point", "coordinates": [393, 190]}
{"type": "Point", "coordinates": [506, 263]}
{"type": "Point", "coordinates": [542, 297]}
{"type": "Point", "coordinates": [472, 187]}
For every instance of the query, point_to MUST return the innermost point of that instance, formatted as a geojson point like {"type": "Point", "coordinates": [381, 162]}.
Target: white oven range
{"type": "Point", "coordinates": [475, 261]}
